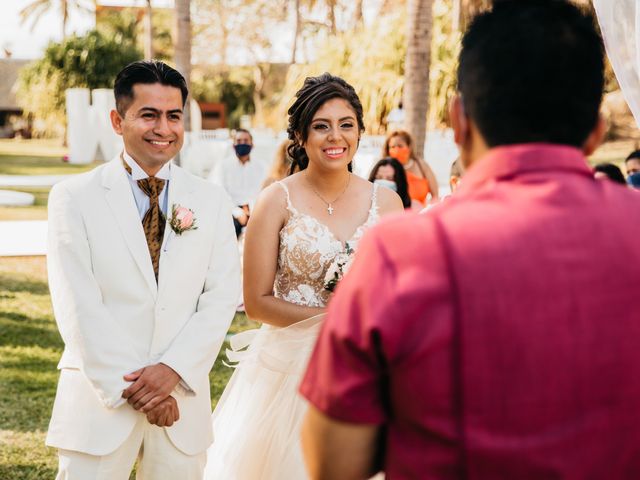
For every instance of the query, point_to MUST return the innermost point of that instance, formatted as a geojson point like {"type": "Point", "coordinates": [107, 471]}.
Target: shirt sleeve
{"type": "Point", "coordinates": [347, 367]}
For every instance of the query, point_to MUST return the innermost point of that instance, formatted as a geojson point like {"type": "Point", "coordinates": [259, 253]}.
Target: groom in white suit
{"type": "Point", "coordinates": [144, 277]}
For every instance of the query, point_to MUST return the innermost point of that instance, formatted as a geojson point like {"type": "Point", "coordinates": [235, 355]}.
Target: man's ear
{"type": "Point", "coordinates": [596, 137]}
{"type": "Point", "coordinates": [459, 121]}
{"type": "Point", "coordinates": [116, 121]}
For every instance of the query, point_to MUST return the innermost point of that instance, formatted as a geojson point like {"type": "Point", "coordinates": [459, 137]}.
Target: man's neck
{"type": "Point", "coordinates": [244, 159]}
{"type": "Point", "coordinates": [151, 171]}
{"type": "Point", "coordinates": [475, 149]}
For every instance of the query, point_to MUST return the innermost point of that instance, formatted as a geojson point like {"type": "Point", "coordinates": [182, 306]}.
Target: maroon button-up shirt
{"type": "Point", "coordinates": [497, 336]}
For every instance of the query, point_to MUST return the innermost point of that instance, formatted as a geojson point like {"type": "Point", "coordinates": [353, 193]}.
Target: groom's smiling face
{"type": "Point", "coordinates": [152, 126]}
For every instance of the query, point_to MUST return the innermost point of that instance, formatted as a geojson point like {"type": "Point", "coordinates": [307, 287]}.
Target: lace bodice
{"type": "Point", "coordinates": [307, 249]}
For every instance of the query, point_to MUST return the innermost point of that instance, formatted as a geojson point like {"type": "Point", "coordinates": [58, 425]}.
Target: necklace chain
{"type": "Point", "coordinates": [330, 208]}
{"type": "Point", "coordinates": [409, 164]}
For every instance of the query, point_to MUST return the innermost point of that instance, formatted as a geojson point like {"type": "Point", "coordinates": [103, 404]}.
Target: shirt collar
{"type": "Point", "coordinates": [137, 173]}
{"type": "Point", "coordinates": [511, 160]}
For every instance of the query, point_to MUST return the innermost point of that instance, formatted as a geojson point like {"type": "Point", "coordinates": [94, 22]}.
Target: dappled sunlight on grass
{"type": "Point", "coordinates": [30, 348]}
{"type": "Point", "coordinates": [24, 456]}
{"type": "Point", "coordinates": [28, 377]}
{"type": "Point", "coordinates": [36, 165]}
{"type": "Point", "coordinates": [42, 147]}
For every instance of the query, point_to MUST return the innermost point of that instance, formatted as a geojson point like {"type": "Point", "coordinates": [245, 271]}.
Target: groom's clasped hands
{"type": "Point", "coordinates": [150, 393]}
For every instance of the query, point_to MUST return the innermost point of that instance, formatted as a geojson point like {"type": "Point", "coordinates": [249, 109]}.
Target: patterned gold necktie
{"type": "Point", "coordinates": [153, 221]}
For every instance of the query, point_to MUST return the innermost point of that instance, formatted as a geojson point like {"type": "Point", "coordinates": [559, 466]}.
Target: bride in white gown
{"type": "Point", "coordinates": [301, 227]}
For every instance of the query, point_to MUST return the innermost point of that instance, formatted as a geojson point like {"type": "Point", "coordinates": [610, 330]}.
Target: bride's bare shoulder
{"type": "Point", "coordinates": [271, 200]}
{"type": "Point", "coordinates": [388, 201]}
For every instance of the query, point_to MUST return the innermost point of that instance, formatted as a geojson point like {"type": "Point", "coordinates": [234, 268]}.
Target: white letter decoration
{"type": "Point", "coordinates": [89, 126]}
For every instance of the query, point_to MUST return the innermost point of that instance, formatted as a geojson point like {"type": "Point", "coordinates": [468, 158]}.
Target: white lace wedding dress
{"type": "Point", "coordinates": [257, 421]}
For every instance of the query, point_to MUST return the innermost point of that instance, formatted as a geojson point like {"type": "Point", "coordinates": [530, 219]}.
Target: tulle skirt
{"type": "Point", "coordinates": [256, 424]}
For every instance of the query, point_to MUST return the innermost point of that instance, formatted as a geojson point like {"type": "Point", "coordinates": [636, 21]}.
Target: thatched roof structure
{"type": "Point", "coordinates": [9, 69]}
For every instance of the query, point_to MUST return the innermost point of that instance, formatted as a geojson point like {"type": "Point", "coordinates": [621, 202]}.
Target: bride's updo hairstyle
{"type": "Point", "coordinates": [313, 94]}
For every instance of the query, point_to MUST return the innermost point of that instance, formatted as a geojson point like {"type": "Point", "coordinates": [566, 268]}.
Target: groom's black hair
{"type": "Point", "coordinates": [532, 71]}
{"type": "Point", "coordinates": [147, 72]}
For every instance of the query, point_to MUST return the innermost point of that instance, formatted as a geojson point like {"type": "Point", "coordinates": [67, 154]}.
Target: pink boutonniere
{"type": "Point", "coordinates": [182, 219]}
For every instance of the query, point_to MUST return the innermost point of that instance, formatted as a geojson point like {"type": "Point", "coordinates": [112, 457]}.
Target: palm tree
{"type": "Point", "coordinates": [465, 10]}
{"type": "Point", "coordinates": [330, 5]}
{"type": "Point", "coordinates": [148, 31]}
{"type": "Point", "coordinates": [357, 14]}
{"type": "Point", "coordinates": [183, 48]}
{"type": "Point", "coordinates": [416, 73]}
{"type": "Point", "coordinates": [296, 34]}
{"type": "Point", "coordinates": [37, 8]}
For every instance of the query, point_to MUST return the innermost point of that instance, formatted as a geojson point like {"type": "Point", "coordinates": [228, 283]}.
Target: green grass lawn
{"type": "Point", "coordinates": [34, 157]}
{"type": "Point", "coordinates": [35, 147]}
{"type": "Point", "coordinates": [38, 165]}
{"type": "Point", "coordinates": [37, 211]}
{"type": "Point", "coordinates": [30, 348]}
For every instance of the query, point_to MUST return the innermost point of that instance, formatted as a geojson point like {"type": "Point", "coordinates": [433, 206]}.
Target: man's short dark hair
{"type": "Point", "coordinates": [147, 72]}
{"type": "Point", "coordinates": [532, 71]}
{"type": "Point", "coordinates": [242, 130]}
{"type": "Point", "coordinates": [612, 171]}
{"type": "Point", "coordinates": [635, 155]}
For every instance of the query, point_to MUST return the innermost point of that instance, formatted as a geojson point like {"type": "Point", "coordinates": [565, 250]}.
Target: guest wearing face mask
{"type": "Point", "coordinates": [241, 177]}
{"type": "Point", "coordinates": [420, 178]}
{"type": "Point", "coordinates": [632, 165]}
{"type": "Point", "coordinates": [389, 173]}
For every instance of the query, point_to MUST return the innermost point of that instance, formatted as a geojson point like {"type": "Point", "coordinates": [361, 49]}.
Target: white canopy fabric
{"type": "Point", "coordinates": [620, 24]}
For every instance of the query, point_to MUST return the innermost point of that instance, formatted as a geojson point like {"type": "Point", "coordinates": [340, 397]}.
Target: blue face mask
{"type": "Point", "coordinates": [634, 180]}
{"type": "Point", "coordinates": [386, 183]}
{"type": "Point", "coordinates": [242, 149]}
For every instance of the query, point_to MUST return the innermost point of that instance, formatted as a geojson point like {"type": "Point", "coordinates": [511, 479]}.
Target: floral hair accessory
{"type": "Point", "coordinates": [182, 219]}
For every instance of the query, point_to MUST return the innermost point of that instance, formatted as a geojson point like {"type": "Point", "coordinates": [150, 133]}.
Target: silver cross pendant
{"type": "Point", "coordinates": [330, 209]}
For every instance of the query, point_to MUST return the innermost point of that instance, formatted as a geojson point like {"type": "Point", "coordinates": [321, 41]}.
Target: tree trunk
{"type": "Point", "coordinates": [416, 70]}
{"type": "Point", "coordinates": [183, 49]}
{"type": "Point", "coordinates": [389, 6]}
{"type": "Point", "coordinates": [224, 33]}
{"type": "Point", "coordinates": [259, 77]}
{"type": "Point", "coordinates": [148, 32]}
{"type": "Point", "coordinates": [65, 17]}
{"type": "Point", "coordinates": [456, 15]}
{"type": "Point", "coordinates": [332, 17]}
{"type": "Point", "coordinates": [296, 34]}
{"type": "Point", "coordinates": [357, 14]}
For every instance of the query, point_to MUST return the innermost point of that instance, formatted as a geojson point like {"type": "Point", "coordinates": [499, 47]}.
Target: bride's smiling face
{"type": "Point", "coordinates": [333, 135]}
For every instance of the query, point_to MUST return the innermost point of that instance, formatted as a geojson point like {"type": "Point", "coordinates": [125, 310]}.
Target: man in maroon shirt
{"type": "Point", "coordinates": [495, 336]}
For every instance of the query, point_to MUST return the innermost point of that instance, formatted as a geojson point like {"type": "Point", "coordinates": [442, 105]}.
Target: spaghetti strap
{"type": "Point", "coordinates": [373, 209]}
{"type": "Point", "coordinates": [286, 191]}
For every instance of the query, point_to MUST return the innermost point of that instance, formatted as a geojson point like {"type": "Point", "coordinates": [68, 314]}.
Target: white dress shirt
{"type": "Point", "coordinates": [242, 181]}
{"type": "Point", "coordinates": [142, 199]}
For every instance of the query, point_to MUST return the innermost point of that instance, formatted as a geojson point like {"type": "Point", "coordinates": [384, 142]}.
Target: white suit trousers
{"type": "Point", "coordinates": [157, 459]}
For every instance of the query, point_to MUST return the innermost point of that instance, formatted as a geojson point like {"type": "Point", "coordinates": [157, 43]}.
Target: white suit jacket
{"type": "Point", "coordinates": [114, 318]}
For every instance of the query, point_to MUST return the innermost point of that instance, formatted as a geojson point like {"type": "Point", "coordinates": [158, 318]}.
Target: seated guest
{"type": "Point", "coordinates": [389, 173]}
{"type": "Point", "coordinates": [455, 174]}
{"type": "Point", "coordinates": [609, 171]}
{"type": "Point", "coordinates": [632, 165]}
{"type": "Point", "coordinates": [241, 177]}
{"type": "Point", "coordinates": [281, 164]}
{"type": "Point", "coordinates": [422, 182]}
{"type": "Point", "coordinates": [493, 337]}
